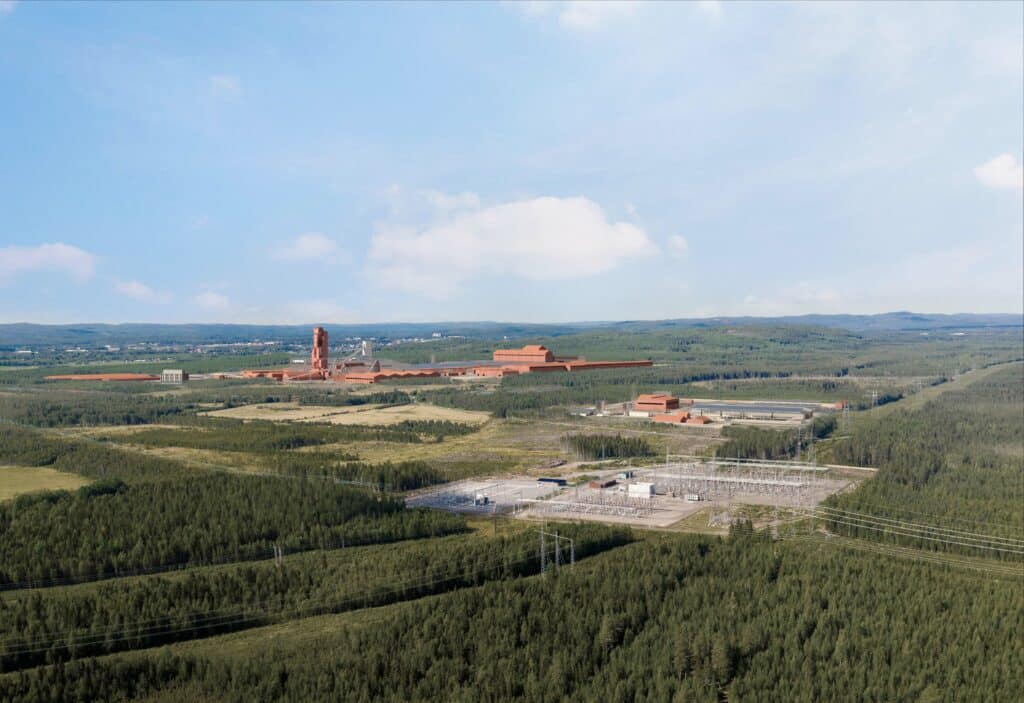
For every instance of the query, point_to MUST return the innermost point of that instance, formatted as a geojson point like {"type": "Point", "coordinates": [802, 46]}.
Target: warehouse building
{"type": "Point", "coordinates": [530, 354]}
{"type": "Point", "coordinates": [655, 403]}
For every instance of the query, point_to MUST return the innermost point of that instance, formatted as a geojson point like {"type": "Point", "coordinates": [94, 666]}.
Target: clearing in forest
{"type": "Point", "coordinates": [15, 480]}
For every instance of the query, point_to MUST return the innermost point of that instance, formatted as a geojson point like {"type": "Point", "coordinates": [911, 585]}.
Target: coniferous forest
{"type": "Point", "coordinates": [207, 558]}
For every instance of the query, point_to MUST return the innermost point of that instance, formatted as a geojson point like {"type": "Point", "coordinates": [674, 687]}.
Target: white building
{"type": "Point", "coordinates": [175, 376]}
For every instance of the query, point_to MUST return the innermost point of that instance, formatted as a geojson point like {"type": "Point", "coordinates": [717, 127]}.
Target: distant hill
{"type": "Point", "coordinates": [97, 335]}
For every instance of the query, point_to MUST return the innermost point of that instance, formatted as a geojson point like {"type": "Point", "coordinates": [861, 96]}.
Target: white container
{"type": "Point", "coordinates": [645, 490]}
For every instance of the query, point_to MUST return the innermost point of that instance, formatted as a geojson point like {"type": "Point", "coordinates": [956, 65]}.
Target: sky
{"type": "Point", "coordinates": [517, 161]}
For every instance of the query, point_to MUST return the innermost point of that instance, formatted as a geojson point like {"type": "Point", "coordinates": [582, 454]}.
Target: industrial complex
{"type": "Point", "coordinates": [528, 359]}
{"type": "Point", "coordinates": [364, 369]}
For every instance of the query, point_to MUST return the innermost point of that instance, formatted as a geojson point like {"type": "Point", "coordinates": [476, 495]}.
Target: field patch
{"type": "Point", "coordinates": [288, 412]}
{"type": "Point", "coordinates": [16, 480]}
{"type": "Point", "coordinates": [400, 413]}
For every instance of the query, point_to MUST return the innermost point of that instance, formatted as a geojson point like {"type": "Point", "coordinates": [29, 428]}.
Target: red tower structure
{"type": "Point", "coordinates": [319, 359]}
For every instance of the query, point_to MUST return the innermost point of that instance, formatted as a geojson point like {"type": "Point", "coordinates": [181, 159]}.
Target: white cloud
{"type": "Point", "coordinates": [579, 15]}
{"type": "Point", "coordinates": [226, 85]}
{"type": "Point", "coordinates": [710, 8]}
{"type": "Point", "coordinates": [210, 300]}
{"type": "Point", "coordinates": [311, 246]}
{"type": "Point", "coordinates": [7, 6]}
{"type": "Point", "coordinates": [1003, 172]}
{"type": "Point", "coordinates": [678, 245]}
{"type": "Point", "coordinates": [140, 291]}
{"type": "Point", "coordinates": [446, 203]}
{"type": "Point", "coordinates": [539, 239]}
{"type": "Point", "coordinates": [591, 15]}
{"type": "Point", "coordinates": [999, 55]}
{"type": "Point", "coordinates": [57, 257]}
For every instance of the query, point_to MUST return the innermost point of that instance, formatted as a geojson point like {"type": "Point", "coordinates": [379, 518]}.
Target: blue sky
{"type": "Point", "coordinates": [297, 163]}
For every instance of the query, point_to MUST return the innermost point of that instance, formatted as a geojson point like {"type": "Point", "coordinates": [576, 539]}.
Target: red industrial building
{"type": "Point", "coordinates": [530, 354]}
{"type": "Point", "coordinates": [677, 418]}
{"type": "Point", "coordinates": [655, 403]}
{"type": "Point", "coordinates": [388, 375]}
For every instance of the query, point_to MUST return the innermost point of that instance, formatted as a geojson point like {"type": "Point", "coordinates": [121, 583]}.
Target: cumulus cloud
{"type": "Point", "coordinates": [1003, 173]}
{"type": "Point", "coordinates": [225, 85]}
{"type": "Point", "coordinates": [311, 246]}
{"type": "Point", "coordinates": [678, 245]}
{"type": "Point", "coordinates": [211, 300]}
{"type": "Point", "coordinates": [138, 290]}
{"type": "Point", "coordinates": [579, 15]}
{"type": "Point", "coordinates": [539, 239]}
{"type": "Point", "coordinates": [57, 257]}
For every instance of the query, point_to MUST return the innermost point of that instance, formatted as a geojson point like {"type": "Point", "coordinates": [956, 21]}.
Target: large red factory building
{"type": "Point", "coordinates": [530, 354]}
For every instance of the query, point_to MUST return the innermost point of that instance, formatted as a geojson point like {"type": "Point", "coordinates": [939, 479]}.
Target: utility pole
{"type": "Point", "coordinates": [543, 554]}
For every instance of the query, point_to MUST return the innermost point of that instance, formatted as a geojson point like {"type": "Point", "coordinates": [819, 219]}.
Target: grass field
{"type": "Point", "coordinates": [15, 480]}
{"type": "Point", "coordinates": [400, 413]}
{"type": "Point", "coordinates": [369, 414]}
{"type": "Point", "coordinates": [289, 412]}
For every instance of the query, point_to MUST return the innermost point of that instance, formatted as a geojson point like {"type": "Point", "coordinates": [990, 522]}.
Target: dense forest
{"type": "Point", "coordinates": [113, 528]}
{"type": "Point", "coordinates": [758, 443]}
{"type": "Point", "coordinates": [675, 619]}
{"type": "Point", "coordinates": [47, 626]}
{"type": "Point", "coordinates": [955, 461]}
{"type": "Point", "coordinates": [602, 446]}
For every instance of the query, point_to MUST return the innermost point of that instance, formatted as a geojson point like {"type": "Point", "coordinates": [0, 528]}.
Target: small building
{"type": "Point", "coordinates": [641, 490]}
{"type": "Point", "coordinates": [175, 376]}
{"type": "Point", "coordinates": [655, 403]}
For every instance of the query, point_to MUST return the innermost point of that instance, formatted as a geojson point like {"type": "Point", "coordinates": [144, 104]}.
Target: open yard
{"type": "Point", "coordinates": [15, 480]}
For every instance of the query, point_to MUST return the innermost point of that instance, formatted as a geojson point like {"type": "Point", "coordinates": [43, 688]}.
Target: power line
{"type": "Point", "coordinates": [226, 620]}
{"type": "Point", "coordinates": [1007, 541]}
{"type": "Point", "coordinates": [888, 529]}
{"type": "Point", "coordinates": [897, 551]}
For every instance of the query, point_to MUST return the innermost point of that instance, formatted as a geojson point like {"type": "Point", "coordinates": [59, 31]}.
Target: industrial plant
{"type": "Point", "coordinates": [505, 362]}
